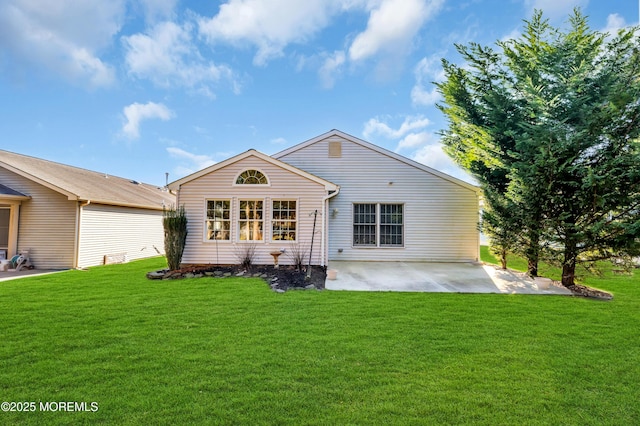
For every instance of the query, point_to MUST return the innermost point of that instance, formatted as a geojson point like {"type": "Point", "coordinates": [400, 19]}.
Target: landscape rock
{"type": "Point", "coordinates": [278, 279]}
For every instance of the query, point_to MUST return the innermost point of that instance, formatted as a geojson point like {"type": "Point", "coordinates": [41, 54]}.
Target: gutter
{"type": "Point", "coordinates": [325, 224]}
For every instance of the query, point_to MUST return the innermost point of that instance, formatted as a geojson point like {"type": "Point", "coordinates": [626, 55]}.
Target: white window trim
{"type": "Point", "coordinates": [297, 221]}
{"type": "Point", "coordinates": [378, 224]}
{"type": "Point", "coordinates": [206, 220]}
{"type": "Point", "coordinates": [251, 185]}
{"type": "Point", "coordinates": [264, 220]}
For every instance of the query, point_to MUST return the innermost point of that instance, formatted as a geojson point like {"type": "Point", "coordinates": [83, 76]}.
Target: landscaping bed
{"type": "Point", "coordinates": [593, 293]}
{"type": "Point", "coordinates": [279, 279]}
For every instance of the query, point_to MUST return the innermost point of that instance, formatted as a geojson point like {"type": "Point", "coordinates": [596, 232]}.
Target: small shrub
{"type": "Point", "coordinates": [246, 254]}
{"type": "Point", "coordinates": [297, 253]}
{"type": "Point", "coordinates": [174, 222]}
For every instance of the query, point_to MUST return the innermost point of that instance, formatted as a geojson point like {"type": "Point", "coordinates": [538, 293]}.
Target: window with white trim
{"type": "Point", "coordinates": [391, 225]}
{"type": "Point", "coordinates": [284, 220]}
{"type": "Point", "coordinates": [250, 220]}
{"type": "Point", "coordinates": [218, 219]}
{"type": "Point", "coordinates": [364, 224]}
{"type": "Point", "coordinates": [252, 177]}
{"type": "Point", "coordinates": [378, 225]}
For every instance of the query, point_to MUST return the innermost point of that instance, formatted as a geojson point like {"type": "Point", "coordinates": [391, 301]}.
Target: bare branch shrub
{"type": "Point", "coordinates": [297, 253]}
{"type": "Point", "coordinates": [246, 254]}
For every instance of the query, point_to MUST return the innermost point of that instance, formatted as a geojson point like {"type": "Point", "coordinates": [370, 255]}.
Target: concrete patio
{"type": "Point", "coordinates": [435, 277]}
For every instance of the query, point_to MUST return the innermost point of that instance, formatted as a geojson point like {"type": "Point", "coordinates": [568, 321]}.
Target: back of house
{"type": "Point", "coordinates": [389, 208]}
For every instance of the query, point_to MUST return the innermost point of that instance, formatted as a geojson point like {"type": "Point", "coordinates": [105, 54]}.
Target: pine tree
{"type": "Point", "coordinates": [550, 128]}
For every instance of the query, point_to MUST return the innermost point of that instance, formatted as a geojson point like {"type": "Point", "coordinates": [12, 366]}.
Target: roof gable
{"type": "Point", "coordinates": [379, 150]}
{"type": "Point", "coordinates": [329, 186]}
{"type": "Point", "coordinates": [85, 185]}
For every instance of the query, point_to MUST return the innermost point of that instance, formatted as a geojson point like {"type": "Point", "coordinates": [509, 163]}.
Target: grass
{"type": "Point", "coordinates": [231, 351]}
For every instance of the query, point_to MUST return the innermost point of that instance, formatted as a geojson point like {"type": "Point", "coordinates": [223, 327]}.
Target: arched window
{"type": "Point", "coordinates": [252, 177]}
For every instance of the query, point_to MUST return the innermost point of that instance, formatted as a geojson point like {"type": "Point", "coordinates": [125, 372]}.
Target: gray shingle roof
{"type": "Point", "coordinates": [5, 190]}
{"type": "Point", "coordinates": [81, 184]}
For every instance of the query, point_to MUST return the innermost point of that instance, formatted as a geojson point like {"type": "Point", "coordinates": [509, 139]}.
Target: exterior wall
{"type": "Point", "coordinates": [440, 216]}
{"type": "Point", "coordinates": [109, 230]}
{"type": "Point", "coordinates": [47, 223]}
{"type": "Point", "coordinates": [283, 185]}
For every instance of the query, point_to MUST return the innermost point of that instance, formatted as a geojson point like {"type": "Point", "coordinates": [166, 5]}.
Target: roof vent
{"type": "Point", "coordinates": [335, 149]}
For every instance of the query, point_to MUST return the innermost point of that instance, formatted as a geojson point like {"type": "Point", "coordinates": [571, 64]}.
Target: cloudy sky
{"type": "Point", "coordinates": [137, 88]}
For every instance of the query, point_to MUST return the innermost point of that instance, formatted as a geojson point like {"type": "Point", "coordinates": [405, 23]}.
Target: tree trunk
{"type": "Point", "coordinates": [503, 259]}
{"type": "Point", "coordinates": [532, 267]}
{"type": "Point", "coordinates": [533, 254]}
{"type": "Point", "coordinates": [569, 264]}
{"type": "Point", "coordinates": [568, 274]}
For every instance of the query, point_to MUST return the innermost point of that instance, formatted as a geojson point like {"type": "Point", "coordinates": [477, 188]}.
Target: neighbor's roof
{"type": "Point", "coordinates": [7, 192]}
{"type": "Point", "coordinates": [329, 186]}
{"type": "Point", "coordinates": [379, 150]}
{"type": "Point", "coordinates": [85, 185]}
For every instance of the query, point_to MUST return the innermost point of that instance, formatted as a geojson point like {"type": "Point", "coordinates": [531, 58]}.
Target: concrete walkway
{"type": "Point", "coordinates": [435, 277]}
{"type": "Point", "coordinates": [12, 274]}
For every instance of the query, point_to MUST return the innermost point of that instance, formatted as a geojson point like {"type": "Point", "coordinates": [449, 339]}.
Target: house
{"type": "Point", "coordinates": [333, 197]}
{"type": "Point", "coordinates": [68, 217]}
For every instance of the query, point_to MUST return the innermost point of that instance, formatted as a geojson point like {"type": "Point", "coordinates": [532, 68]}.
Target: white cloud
{"type": "Point", "coordinates": [136, 112]}
{"type": "Point", "coordinates": [272, 26]}
{"type": "Point", "coordinates": [192, 162]}
{"type": "Point", "coordinates": [377, 126]}
{"type": "Point", "coordinates": [514, 34]}
{"type": "Point", "coordinates": [331, 68]}
{"type": "Point", "coordinates": [392, 26]}
{"type": "Point", "coordinates": [413, 140]}
{"type": "Point", "coordinates": [168, 57]}
{"type": "Point", "coordinates": [423, 146]}
{"type": "Point", "coordinates": [269, 26]}
{"type": "Point", "coordinates": [158, 9]}
{"type": "Point", "coordinates": [615, 22]}
{"type": "Point", "coordinates": [279, 141]}
{"type": "Point", "coordinates": [433, 156]}
{"type": "Point", "coordinates": [428, 70]}
{"type": "Point", "coordinates": [555, 9]}
{"type": "Point", "coordinates": [62, 36]}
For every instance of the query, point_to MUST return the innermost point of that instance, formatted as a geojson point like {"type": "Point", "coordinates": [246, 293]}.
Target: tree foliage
{"type": "Point", "coordinates": [549, 126]}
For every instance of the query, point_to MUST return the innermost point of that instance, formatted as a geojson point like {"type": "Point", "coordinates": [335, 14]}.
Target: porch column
{"type": "Point", "coordinates": [14, 222]}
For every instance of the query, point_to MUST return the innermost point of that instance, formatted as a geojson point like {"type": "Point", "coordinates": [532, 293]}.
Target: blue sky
{"type": "Point", "coordinates": [137, 88]}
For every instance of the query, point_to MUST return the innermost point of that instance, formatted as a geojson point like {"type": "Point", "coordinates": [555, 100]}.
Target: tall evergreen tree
{"type": "Point", "coordinates": [550, 128]}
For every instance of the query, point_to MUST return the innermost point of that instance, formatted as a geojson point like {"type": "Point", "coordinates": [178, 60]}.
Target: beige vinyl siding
{"type": "Point", "coordinates": [47, 223]}
{"type": "Point", "coordinates": [219, 185]}
{"type": "Point", "coordinates": [440, 216]}
{"type": "Point", "coordinates": [110, 230]}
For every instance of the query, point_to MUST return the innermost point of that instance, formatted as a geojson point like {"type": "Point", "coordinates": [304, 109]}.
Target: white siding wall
{"type": "Point", "coordinates": [219, 185]}
{"type": "Point", "coordinates": [47, 223]}
{"type": "Point", "coordinates": [107, 230]}
{"type": "Point", "coordinates": [440, 217]}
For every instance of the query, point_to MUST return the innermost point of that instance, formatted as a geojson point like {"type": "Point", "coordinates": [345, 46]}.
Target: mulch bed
{"type": "Point", "coordinates": [584, 291]}
{"type": "Point", "coordinates": [279, 279]}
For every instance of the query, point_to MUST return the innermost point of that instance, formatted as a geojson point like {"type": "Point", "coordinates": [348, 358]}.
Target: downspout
{"type": "Point", "coordinates": [325, 225]}
{"type": "Point", "coordinates": [76, 248]}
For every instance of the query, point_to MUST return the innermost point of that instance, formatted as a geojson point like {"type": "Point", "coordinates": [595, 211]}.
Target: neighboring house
{"type": "Point", "coordinates": [69, 217]}
{"type": "Point", "coordinates": [371, 205]}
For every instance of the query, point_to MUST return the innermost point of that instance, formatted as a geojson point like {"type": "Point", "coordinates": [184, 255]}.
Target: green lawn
{"type": "Point", "coordinates": [231, 351]}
